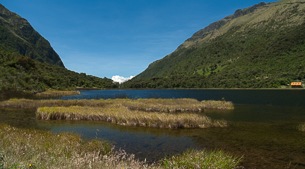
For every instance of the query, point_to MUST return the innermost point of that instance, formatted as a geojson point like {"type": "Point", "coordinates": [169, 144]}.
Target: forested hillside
{"type": "Point", "coordinates": [29, 64]}
{"type": "Point", "coordinates": [258, 47]}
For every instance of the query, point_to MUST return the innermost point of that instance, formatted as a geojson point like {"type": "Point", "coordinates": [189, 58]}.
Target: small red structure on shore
{"type": "Point", "coordinates": [296, 84]}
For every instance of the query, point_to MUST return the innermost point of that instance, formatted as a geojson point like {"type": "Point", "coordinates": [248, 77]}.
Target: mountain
{"type": "Point", "coordinates": [19, 36]}
{"type": "Point", "coordinates": [262, 46]}
{"type": "Point", "coordinates": [29, 64]}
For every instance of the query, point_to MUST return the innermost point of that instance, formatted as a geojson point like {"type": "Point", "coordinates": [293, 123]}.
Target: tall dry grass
{"type": "Point", "coordinates": [121, 115]}
{"type": "Point", "coordinates": [177, 105]}
{"type": "Point", "coordinates": [148, 105]}
{"type": "Point", "coordinates": [159, 113]}
{"type": "Point", "coordinates": [56, 93]}
{"type": "Point", "coordinates": [34, 104]}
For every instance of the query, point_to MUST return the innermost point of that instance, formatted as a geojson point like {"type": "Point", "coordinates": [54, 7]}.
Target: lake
{"type": "Point", "coordinates": [263, 126]}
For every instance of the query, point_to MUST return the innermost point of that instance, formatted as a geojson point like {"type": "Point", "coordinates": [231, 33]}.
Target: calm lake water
{"type": "Point", "coordinates": [263, 126]}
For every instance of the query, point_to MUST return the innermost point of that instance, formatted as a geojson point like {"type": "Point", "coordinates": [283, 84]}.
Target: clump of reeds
{"type": "Point", "coordinates": [202, 159]}
{"type": "Point", "coordinates": [28, 148]}
{"type": "Point", "coordinates": [121, 115]}
{"type": "Point", "coordinates": [301, 127]}
{"type": "Point", "coordinates": [56, 93]}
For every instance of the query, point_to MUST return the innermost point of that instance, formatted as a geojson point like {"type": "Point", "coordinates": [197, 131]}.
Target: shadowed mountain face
{"type": "Point", "coordinates": [257, 47]}
{"type": "Point", "coordinates": [17, 35]}
{"type": "Point", "coordinates": [28, 64]}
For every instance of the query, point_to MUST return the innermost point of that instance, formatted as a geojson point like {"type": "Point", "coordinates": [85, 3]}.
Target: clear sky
{"type": "Point", "coordinates": [119, 37]}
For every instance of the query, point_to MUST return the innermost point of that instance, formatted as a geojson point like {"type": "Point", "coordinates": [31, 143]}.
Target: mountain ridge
{"type": "Point", "coordinates": [28, 63]}
{"type": "Point", "coordinates": [19, 36]}
{"type": "Point", "coordinates": [241, 53]}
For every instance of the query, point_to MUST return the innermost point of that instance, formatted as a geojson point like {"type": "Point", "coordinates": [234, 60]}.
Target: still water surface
{"type": "Point", "coordinates": [262, 126]}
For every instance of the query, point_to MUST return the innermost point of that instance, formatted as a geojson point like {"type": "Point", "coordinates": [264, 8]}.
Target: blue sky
{"type": "Point", "coordinates": [119, 37]}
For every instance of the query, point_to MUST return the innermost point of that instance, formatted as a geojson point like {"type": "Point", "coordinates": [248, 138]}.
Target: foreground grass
{"type": "Point", "coordinates": [202, 159]}
{"type": "Point", "coordinates": [24, 148]}
{"type": "Point", "coordinates": [301, 127]}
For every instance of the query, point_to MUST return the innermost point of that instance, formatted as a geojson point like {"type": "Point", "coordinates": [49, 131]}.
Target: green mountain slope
{"type": "Point", "coordinates": [258, 47]}
{"type": "Point", "coordinates": [29, 64]}
{"type": "Point", "coordinates": [17, 35]}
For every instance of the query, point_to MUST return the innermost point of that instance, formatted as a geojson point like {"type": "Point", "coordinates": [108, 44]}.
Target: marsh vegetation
{"type": "Point", "coordinates": [56, 93]}
{"type": "Point", "coordinates": [121, 115]}
{"type": "Point", "coordinates": [27, 148]}
{"type": "Point", "coordinates": [158, 113]}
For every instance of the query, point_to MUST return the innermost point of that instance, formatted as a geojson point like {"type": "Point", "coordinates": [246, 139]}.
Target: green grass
{"type": "Point", "coordinates": [28, 148]}
{"type": "Point", "coordinates": [202, 159]}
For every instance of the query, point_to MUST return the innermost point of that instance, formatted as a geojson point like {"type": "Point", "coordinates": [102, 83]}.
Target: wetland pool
{"type": "Point", "coordinates": [263, 126]}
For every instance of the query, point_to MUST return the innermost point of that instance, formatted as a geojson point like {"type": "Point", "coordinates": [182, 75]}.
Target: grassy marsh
{"type": "Point", "coordinates": [148, 105]}
{"type": "Point", "coordinates": [34, 104]}
{"type": "Point", "coordinates": [56, 93]}
{"type": "Point", "coordinates": [25, 148]}
{"type": "Point", "coordinates": [177, 105]}
{"type": "Point", "coordinates": [158, 113]}
{"type": "Point", "coordinates": [121, 115]}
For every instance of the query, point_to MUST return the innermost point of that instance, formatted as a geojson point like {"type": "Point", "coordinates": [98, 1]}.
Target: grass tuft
{"type": "Point", "coordinates": [301, 127]}
{"type": "Point", "coordinates": [202, 159]}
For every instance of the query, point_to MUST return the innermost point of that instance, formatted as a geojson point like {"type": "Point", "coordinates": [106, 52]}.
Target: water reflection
{"type": "Point", "coordinates": [145, 143]}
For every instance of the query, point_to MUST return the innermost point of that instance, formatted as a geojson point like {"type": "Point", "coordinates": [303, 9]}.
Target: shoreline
{"type": "Point", "coordinates": [196, 89]}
